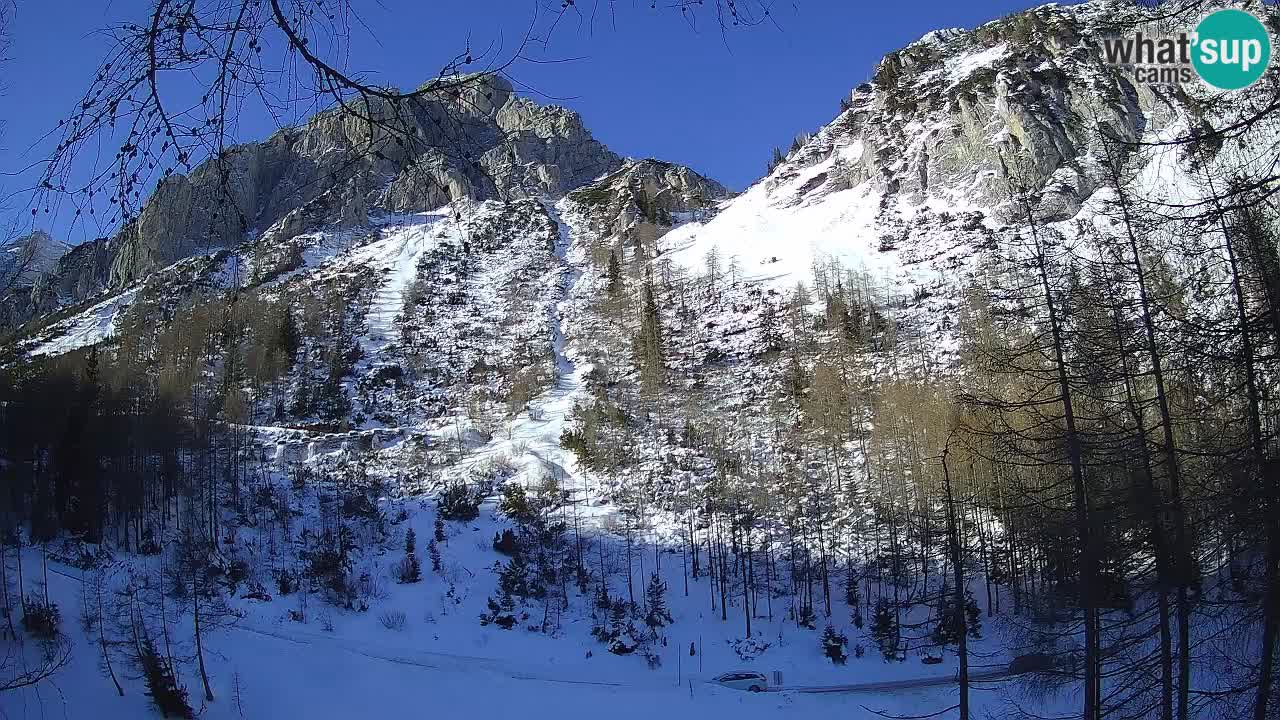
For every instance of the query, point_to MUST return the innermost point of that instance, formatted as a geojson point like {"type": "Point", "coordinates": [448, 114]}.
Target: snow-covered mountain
{"type": "Point", "coordinates": [906, 184]}
{"type": "Point", "coordinates": [624, 331]}
{"type": "Point", "coordinates": [27, 257]}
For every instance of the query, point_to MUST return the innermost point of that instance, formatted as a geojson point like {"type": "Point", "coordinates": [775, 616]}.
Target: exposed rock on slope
{"type": "Point", "coordinates": [909, 184]}
{"type": "Point", "coordinates": [483, 142]}
{"type": "Point", "coordinates": [644, 199]}
{"type": "Point", "coordinates": [943, 113]}
{"type": "Point", "coordinates": [25, 258]}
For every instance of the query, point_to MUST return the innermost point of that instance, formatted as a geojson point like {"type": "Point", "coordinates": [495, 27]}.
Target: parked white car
{"type": "Point", "coordinates": [743, 680]}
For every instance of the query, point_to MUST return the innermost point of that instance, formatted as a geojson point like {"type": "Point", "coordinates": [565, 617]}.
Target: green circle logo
{"type": "Point", "coordinates": [1231, 50]}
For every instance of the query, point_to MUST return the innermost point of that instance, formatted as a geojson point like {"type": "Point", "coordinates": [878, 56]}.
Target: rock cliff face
{"type": "Point", "coordinates": [22, 260]}
{"type": "Point", "coordinates": [944, 116]}
{"type": "Point", "coordinates": [642, 200]}
{"type": "Point", "coordinates": [478, 143]}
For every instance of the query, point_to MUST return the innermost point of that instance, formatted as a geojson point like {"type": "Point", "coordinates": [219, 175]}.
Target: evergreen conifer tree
{"type": "Point", "coordinates": [615, 273]}
{"type": "Point", "coordinates": [833, 644]}
{"type": "Point", "coordinates": [884, 629]}
{"type": "Point", "coordinates": [655, 598]}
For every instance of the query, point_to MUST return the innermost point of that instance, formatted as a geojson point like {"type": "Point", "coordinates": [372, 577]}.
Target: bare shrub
{"type": "Point", "coordinates": [393, 620]}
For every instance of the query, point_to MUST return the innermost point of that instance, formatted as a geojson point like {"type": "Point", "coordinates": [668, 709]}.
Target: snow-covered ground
{"type": "Point", "coordinates": [286, 670]}
{"type": "Point", "coordinates": [86, 328]}
{"type": "Point", "coordinates": [532, 438]}
{"type": "Point", "coordinates": [394, 258]}
{"type": "Point", "coordinates": [338, 663]}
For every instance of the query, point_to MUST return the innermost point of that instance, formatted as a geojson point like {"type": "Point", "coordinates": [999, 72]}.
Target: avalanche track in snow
{"type": "Point", "coordinates": [533, 437]}
{"type": "Point", "coordinates": [87, 328]}
{"type": "Point", "coordinates": [395, 256]}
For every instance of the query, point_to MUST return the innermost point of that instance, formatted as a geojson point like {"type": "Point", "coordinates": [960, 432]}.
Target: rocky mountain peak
{"type": "Point", "coordinates": [475, 140]}
{"type": "Point", "coordinates": [942, 114]}
{"type": "Point", "coordinates": [22, 260]}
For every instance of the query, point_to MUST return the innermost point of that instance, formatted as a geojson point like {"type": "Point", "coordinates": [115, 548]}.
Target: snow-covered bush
{"type": "Point", "coordinates": [286, 583]}
{"type": "Point", "coordinates": [459, 502]}
{"type": "Point", "coordinates": [408, 570]}
{"type": "Point", "coordinates": [501, 612]}
{"type": "Point", "coordinates": [79, 554]}
{"type": "Point", "coordinates": [748, 649]}
{"type": "Point", "coordinates": [41, 618]}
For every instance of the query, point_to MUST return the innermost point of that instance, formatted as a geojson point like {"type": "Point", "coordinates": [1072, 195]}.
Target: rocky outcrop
{"type": "Point", "coordinates": [25, 258]}
{"type": "Point", "coordinates": [949, 118]}
{"type": "Point", "coordinates": [477, 141]}
{"type": "Point", "coordinates": [953, 114]}
{"type": "Point", "coordinates": [643, 199]}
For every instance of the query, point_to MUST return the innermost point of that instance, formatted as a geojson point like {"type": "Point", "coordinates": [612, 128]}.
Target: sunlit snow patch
{"type": "Point", "coordinates": [87, 328]}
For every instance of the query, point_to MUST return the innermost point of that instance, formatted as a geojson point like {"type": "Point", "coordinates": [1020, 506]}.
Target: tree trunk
{"type": "Point", "coordinates": [1080, 495]}
{"type": "Point", "coordinates": [102, 637]}
{"type": "Point", "coordinates": [957, 568]}
{"type": "Point", "coordinates": [1182, 566]}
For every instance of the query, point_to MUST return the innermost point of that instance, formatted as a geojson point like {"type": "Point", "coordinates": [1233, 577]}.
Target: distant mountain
{"type": "Point", "coordinates": [24, 259]}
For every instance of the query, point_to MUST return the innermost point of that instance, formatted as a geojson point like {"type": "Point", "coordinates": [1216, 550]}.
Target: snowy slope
{"type": "Point", "coordinates": [88, 327]}
{"type": "Point", "coordinates": [901, 194]}
{"type": "Point", "coordinates": [394, 258]}
{"type": "Point", "coordinates": [778, 233]}
{"type": "Point", "coordinates": [295, 655]}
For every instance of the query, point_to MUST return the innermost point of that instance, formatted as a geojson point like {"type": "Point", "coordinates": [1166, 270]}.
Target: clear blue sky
{"type": "Point", "coordinates": [647, 86]}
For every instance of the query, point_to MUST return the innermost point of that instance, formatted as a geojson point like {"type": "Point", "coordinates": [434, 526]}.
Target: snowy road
{"type": "Point", "coordinates": [388, 652]}
{"type": "Point", "coordinates": [894, 685]}
{"type": "Point", "coordinates": [416, 658]}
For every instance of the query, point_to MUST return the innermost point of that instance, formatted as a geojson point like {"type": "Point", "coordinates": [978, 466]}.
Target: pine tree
{"type": "Point", "coordinates": [833, 645]}
{"type": "Point", "coordinates": [169, 697]}
{"type": "Point", "coordinates": [621, 632]}
{"type": "Point", "coordinates": [775, 160]}
{"type": "Point", "coordinates": [288, 338]}
{"type": "Point", "coordinates": [410, 570]}
{"type": "Point", "coordinates": [853, 596]}
{"type": "Point", "coordinates": [439, 529]}
{"type": "Point", "coordinates": [655, 598]}
{"type": "Point", "coordinates": [884, 630]}
{"type": "Point", "coordinates": [648, 344]}
{"type": "Point", "coordinates": [433, 550]}
{"type": "Point", "coordinates": [301, 406]}
{"type": "Point", "coordinates": [769, 333]}
{"type": "Point", "coordinates": [515, 503]}
{"type": "Point", "coordinates": [501, 611]}
{"type": "Point", "coordinates": [947, 632]}
{"type": "Point", "coordinates": [331, 402]}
